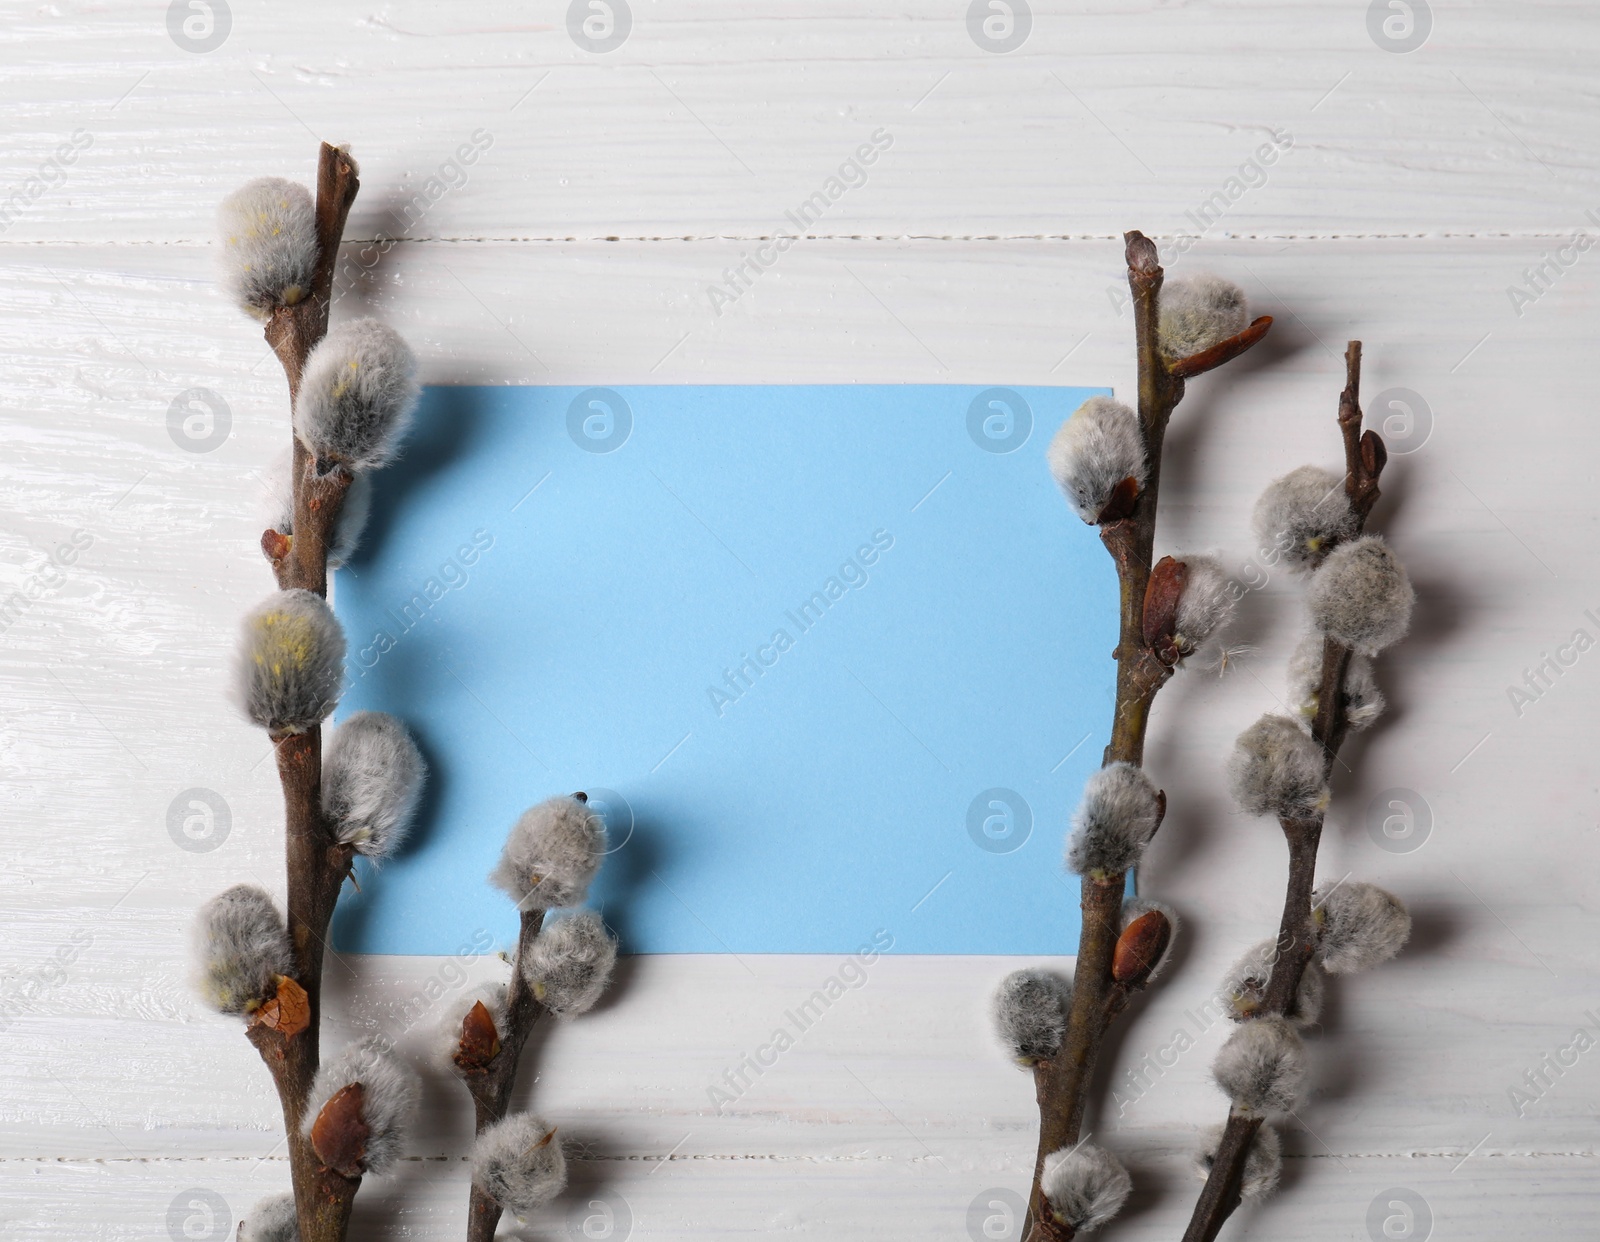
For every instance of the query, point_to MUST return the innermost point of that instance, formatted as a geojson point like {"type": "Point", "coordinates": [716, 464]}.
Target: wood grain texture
{"type": "Point", "coordinates": [713, 118]}
{"type": "Point", "coordinates": [117, 1092]}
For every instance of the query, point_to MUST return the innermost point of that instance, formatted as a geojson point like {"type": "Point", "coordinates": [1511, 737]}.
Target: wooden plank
{"type": "Point", "coordinates": [732, 1195]}
{"type": "Point", "coordinates": [712, 120]}
{"type": "Point", "coordinates": [118, 1092]}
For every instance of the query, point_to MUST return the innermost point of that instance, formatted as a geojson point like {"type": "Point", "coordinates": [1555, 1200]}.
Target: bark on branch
{"type": "Point", "coordinates": [492, 1085]}
{"type": "Point", "coordinates": [1062, 1083]}
{"type": "Point", "coordinates": [317, 865]}
{"type": "Point", "coordinates": [1364, 462]}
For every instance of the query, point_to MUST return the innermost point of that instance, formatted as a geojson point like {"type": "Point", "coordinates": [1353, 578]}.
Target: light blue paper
{"type": "Point", "coordinates": [560, 588]}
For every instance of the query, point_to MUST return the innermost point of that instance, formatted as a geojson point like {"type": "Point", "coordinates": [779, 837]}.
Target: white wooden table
{"type": "Point", "coordinates": [611, 190]}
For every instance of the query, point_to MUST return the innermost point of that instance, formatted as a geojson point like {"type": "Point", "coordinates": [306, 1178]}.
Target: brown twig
{"type": "Point", "coordinates": [1062, 1082]}
{"type": "Point", "coordinates": [492, 1084]}
{"type": "Point", "coordinates": [317, 865]}
{"type": "Point", "coordinates": [293, 331]}
{"type": "Point", "coordinates": [1364, 461]}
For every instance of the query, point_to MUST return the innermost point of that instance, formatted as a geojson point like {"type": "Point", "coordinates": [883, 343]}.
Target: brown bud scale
{"type": "Point", "coordinates": [339, 1135]}
{"type": "Point", "coordinates": [1140, 947]}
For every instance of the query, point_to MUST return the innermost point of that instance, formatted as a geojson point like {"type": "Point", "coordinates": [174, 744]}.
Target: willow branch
{"type": "Point", "coordinates": [1062, 1083]}
{"type": "Point", "coordinates": [1364, 462]}
{"type": "Point", "coordinates": [301, 560]}
{"type": "Point", "coordinates": [491, 1085]}
{"type": "Point", "coordinates": [316, 864]}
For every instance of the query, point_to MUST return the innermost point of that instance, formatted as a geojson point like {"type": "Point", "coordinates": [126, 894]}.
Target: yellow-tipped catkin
{"type": "Point", "coordinates": [290, 667]}
{"type": "Point", "coordinates": [268, 244]}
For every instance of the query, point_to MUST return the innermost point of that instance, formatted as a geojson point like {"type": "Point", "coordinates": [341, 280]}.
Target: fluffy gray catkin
{"type": "Point", "coordinates": [1303, 516]}
{"type": "Point", "coordinates": [1085, 1186]}
{"type": "Point", "coordinates": [271, 1220]}
{"type": "Point", "coordinates": [1277, 769]}
{"type": "Point", "coordinates": [1360, 926]}
{"type": "Point", "coordinates": [357, 395]}
{"type": "Point", "coordinates": [1030, 1014]}
{"type": "Point", "coordinates": [1360, 596]}
{"type": "Point", "coordinates": [389, 1094]}
{"type": "Point", "coordinates": [1206, 605]}
{"type": "Point", "coordinates": [1119, 812]}
{"type": "Point", "coordinates": [518, 1162]}
{"type": "Point", "coordinates": [1263, 1163]}
{"type": "Point", "coordinates": [1363, 701]}
{"type": "Point", "coordinates": [290, 666]}
{"type": "Point", "coordinates": [240, 944]}
{"type": "Point", "coordinates": [569, 963]}
{"type": "Point", "coordinates": [1095, 449]}
{"type": "Point", "coordinates": [371, 782]}
{"type": "Point", "coordinates": [348, 527]}
{"type": "Point", "coordinates": [551, 854]}
{"type": "Point", "coordinates": [1244, 987]}
{"type": "Point", "coordinates": [1262, 1066]}
{"type": "Point", "coordinates": [268, 255]}
{"type": "Point", "coordinates": [1198, 312]}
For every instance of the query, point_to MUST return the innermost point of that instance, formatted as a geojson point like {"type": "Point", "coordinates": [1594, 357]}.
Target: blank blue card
{"type": "Point", "coordinates": [834, 661]}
